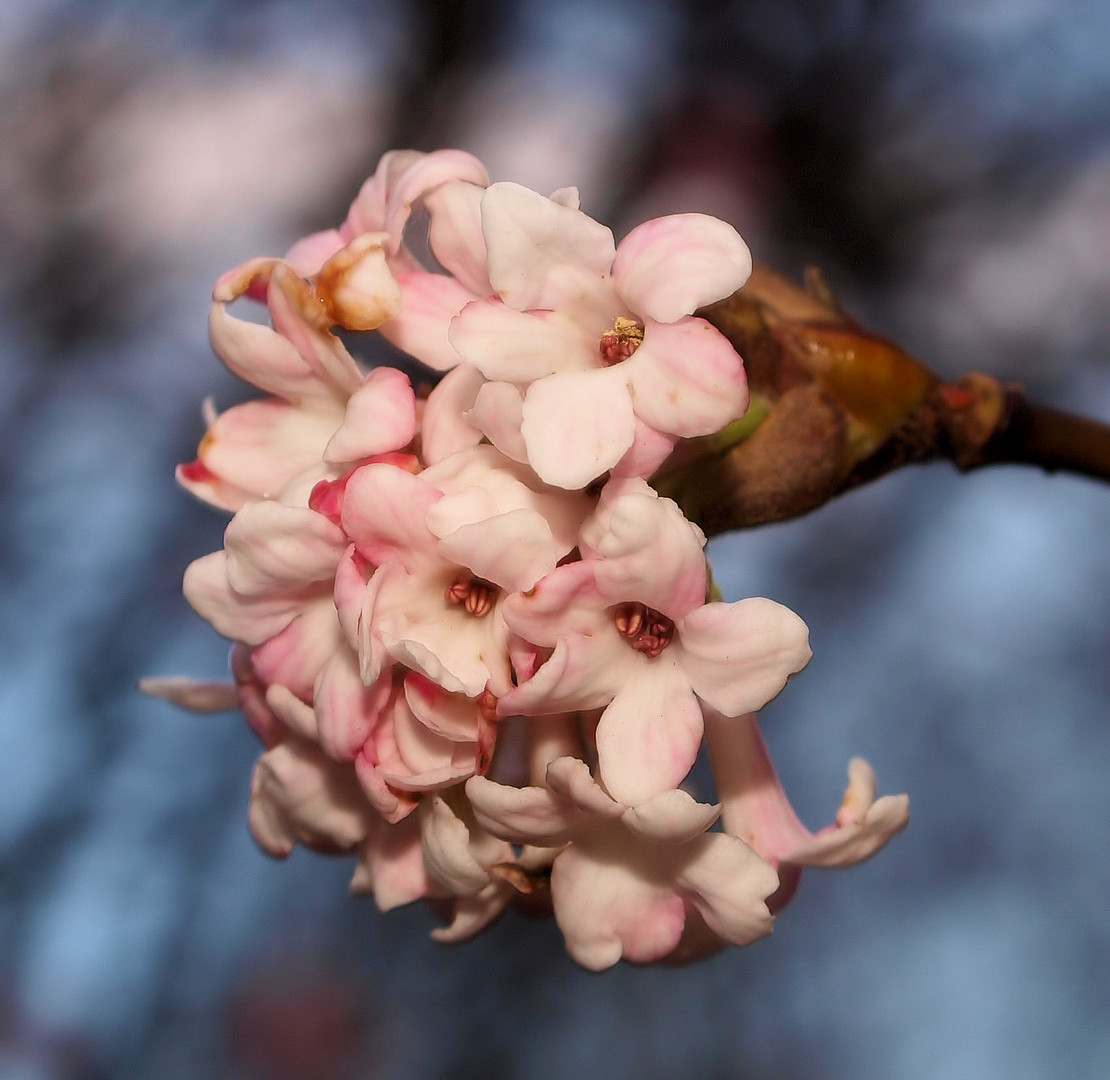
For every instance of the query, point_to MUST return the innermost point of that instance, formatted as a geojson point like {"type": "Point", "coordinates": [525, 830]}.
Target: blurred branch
{"type": "Point", "coordinates": [835, 406]}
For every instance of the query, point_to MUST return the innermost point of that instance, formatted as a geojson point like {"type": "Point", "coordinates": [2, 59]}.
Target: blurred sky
{"type": "Point", "coordinates": [949, 167]}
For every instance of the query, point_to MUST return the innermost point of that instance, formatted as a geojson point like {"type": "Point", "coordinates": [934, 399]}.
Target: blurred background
{"type": "Point", "coordinates": [948, 165]}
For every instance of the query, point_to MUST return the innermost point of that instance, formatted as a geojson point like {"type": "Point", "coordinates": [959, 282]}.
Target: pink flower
{"type": "Point", "coordinates": [323, 413]}
{"type": "Point", "coordinates": [404, 734]}
{"type": "Point", "coordinates": [629, 878]}
{"type": "Point", "coordinates": [756, 808]}
{"type": "Point", "coordinates": [449, 545]}
{"type": "Point", "coordinates": [627, 629]}
{"type": "Point", "coordinates": [448, 184]}
{"type": "Point", "coordinates": [599, 341]}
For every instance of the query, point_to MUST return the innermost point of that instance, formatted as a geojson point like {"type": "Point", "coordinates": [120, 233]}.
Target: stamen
{"type": "Point", "coordinates": [621, 342]}
{"type": "Point", "coordinates": [645, 629]}
{"type": "Point", "coordinates": [475, 594]}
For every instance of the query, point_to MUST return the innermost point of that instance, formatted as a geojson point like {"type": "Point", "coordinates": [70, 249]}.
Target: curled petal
{"type": "Point", "coordinates": [423, 176]}
{"type": "Point", "coordinates": [191, 694]}
{"type": "Point", "coordinates": [846, 845]}
{"type": "Point", "coordinates": [671, 266]}
{"type": "Point", "coordinates": [863, 824]}
{"type": "Point", "coordinates": [447, 854]}
{"type": "Point", "coordinates": [380, 418]}
{"type": "Point", "coordinates": [367, 213]}
{"type": "Point", "coordinates": [671, 817]}
{"type": "Point", "coordinates": [264, 358]}
{"type": "Point", "coordinates": [581, 673]}
{"type": "Point", "coordinates": [356, 287]}
{"type": "Point", "coordinates": [529, 815]}
{"type": "Point", "coordinates": [473, 914]}
{"type": "Point", "coordinates": [729, 884]}
{"type": "Point", "coordinates": [300, 796]}
{"type": "Point", "coordinates": [455, 233]}
{"type": "Point", "coordinates": [738, 656]}
{"type": "Point", "coordinates": [649, 551]}
{"type": "Point", "coordinates": [298, 315]}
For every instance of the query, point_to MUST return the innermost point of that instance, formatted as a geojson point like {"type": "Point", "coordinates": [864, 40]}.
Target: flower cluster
{"type": "Point", "coordinates": [477, 646]}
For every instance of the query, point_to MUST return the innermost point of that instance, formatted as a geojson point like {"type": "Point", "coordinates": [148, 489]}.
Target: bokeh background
{"type": "Point", "coordinates": [947, 164]}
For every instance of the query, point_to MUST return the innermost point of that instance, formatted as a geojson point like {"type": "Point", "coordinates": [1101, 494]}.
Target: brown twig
{"type": "Point", "coordinates": [842, 407]}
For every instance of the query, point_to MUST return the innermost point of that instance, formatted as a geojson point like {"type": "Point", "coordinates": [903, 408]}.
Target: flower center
{"type": "Point", "coordinates": [645, 629]}
{"type": "Point", "coordinates": [474, 593]}
{"type": "Point", "coordinates": [621, 342]}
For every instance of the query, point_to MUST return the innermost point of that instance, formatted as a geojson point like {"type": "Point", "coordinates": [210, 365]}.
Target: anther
{"type": "Point", "coordinates": [621, 342]}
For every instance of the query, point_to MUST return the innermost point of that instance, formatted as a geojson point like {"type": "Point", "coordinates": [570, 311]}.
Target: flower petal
{"type": "Point", "coordinates": [295, 657]}
{"type": "Point", "coordinates": [300, 796]}
{"type": "Point", "coordinates": [729, 884]}
{"type": "Point", "coordinates": [671, 266]}
{"type": "Point", "coordinates": [391, 865]}
{"type": "Point", "coordinates": [309, 253]}
{"type": "Point", "coordinates": [648, 738]}
{"type": "Point", "coordinates": [422, 177]}
{"type": "Point", "coordinates": [295, 311]}
{"type": "Point", "coordinates": [450, 716]}
{"type": "Point", "coordinates": [607, 910]}
{"type": "Point", "coordinates": [428, 304]}
{"type": "Point", "coordinates": [738, 656]}
{"type": "Point", "coordinates": [294, 714]}
{"type": "Point", "coordinates": [649, 551]}
{"type": "Point", "coordinates": [521, 346]}
{"type": "Point", "coordinates": [262, 357]}
{"type": "Point", "coordinates": [380, 418]}
{"type": "Point", "coordinates": [455, 233]}
{"type": "Point", "coordinates": [192, 694]}
{"type": "Point", "coordinates": [259, 446]}
{"type": "Point", "coordinates": [251, 620]}
{"type": "Point", "coordinates": [447, 854]}
{"type": "Point", "coordinates": [571, 778]}
{"type": "Point", "coordinates": [384, 510]}
{"type": "Point", "coordinates": [671, 817]}
{"type": "Point", "coordinates": [472, 914]}
{"type": "Point", "coordinates": [577, 425]}
{"type": "Point", "coordinates": [498, 412]}
{"type": "Point", "coordinates": [271, 546]}
{"type": "Point", "coordinates": [356, 287]}
{"type": "Point", "coordinates": [513, 550]}
{"type": "Point", "coordinates": [445, 428]}
{"type": "Point", "coordinates": [687, 379]}
{"type": "Point", "coordinates": [346, 709]}
{"type": "Point", "coordinates": [542, 254]}
{"type": "Point", "coordinates": [529, 815]}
